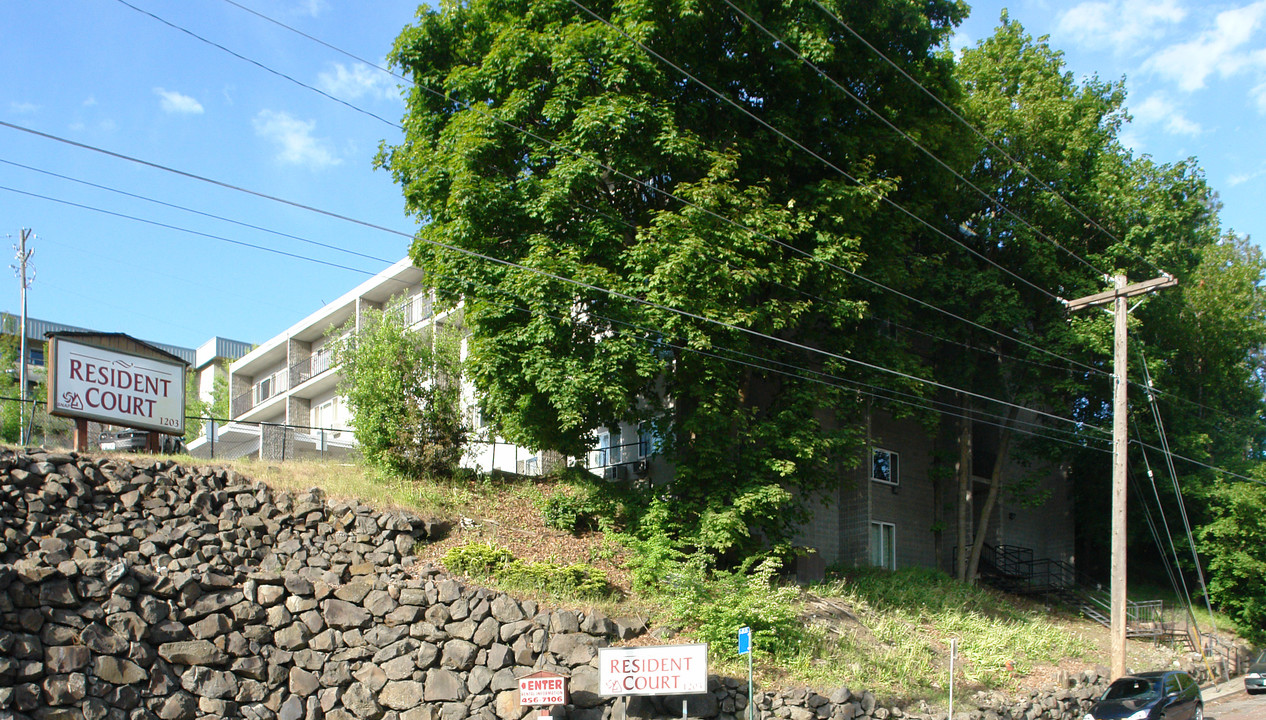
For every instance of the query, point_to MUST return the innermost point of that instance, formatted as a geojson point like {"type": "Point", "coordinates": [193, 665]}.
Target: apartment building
{"type": "Point", "coordinates": [888, 510]}
{"type": "Point", "coordinates": [284, 399]}
{"type": "Point", "coordinates": [894, 509]}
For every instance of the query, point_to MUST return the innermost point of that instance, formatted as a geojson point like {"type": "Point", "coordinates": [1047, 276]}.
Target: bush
{"type": "Point", "coordinates": [477, 559]}
{"type": "Point", "coordinates": [403, 388]}
{"type": "Point", "coordinates": [485, 560]}
{"type": "Point", "coordinates": [569, 513]}
{"type": "Point", "coordinates": [717, 604]}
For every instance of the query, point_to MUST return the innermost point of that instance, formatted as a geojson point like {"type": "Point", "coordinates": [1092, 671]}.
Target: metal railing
{"type": "Point", "coordinates": [260, 392]}
{"type": "Point", "coordinates": [229, 440]}
{"type": "Point", "coordinates": [310, 367]}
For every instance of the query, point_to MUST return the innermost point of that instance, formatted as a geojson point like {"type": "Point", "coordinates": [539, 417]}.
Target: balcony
{"type": "Point", "coordinates": [310, 367]}
{"type": "Point", "coordinates": [268, 387]}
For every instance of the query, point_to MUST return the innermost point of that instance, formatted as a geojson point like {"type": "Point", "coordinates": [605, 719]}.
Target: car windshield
{"type": "Point", "coordinates": [1131, 688]}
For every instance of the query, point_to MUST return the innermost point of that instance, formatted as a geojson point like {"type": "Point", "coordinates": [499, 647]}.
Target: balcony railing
{"type": "Point", "coordinates": [260, 392]}
{"type": "Point", "coordinates": [311, 366]}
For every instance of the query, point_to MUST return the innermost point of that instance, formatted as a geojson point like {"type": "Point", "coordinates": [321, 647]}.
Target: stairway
{"type": "Point", "coordinates": [1013, 569]}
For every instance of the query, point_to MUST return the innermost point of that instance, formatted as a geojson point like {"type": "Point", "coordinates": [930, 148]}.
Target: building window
{"type": "Point", "coordinates": [884, 467]}
{"type": "Point", "coordinates": [37, 357]}
{"type": "Point", "coordinates": [883, 545]}
{"type": "Point", "coordinates": [647, 440]}
{"type": "Point", "coordinates": [264, 390]}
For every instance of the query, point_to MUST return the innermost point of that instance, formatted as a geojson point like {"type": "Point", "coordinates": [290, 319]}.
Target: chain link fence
{"type": "Point", "coordinates": [32, 414]}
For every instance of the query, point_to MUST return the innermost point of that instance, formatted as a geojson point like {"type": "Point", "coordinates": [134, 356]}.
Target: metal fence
{"type": "Point", "coordinates": [228, 440]}
{"type": "Point", "coordinates": [41, 428]}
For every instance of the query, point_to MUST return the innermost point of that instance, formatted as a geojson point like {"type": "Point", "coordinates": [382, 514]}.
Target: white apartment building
{"type": "Point", "coordinates": [284, 400]}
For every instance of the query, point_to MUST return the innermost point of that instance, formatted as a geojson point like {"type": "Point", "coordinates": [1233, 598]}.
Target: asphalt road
{"type": "Point", "coordinates": [1237, 705]}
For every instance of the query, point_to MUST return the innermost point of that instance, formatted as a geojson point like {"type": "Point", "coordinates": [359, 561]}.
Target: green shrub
{"type": "Point", "coordinates": [477, 559]}
{"type": "Point", "coordinates": [717, 604]}
{"type": "Point", "coordinates": [579, 581]}
{"type": "Point", "coordinates": [569, 513]}
{"type": "Point", "coordinates": [485, 560]}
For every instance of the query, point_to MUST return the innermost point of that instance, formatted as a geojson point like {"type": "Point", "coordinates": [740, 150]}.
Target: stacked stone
{"type": "Point", "coordinates": [144, 590]}
{"type": "Point", "coordinates": [206, 520]}
{"type": "Point", "coordinates": [1070, 702]}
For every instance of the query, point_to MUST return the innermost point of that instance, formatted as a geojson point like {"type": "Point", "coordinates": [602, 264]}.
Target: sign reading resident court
{"type": "Point", "coordinates": [660, 670]}
{"type": "Point", "coordinates": [543, 688]}
{"type": "Point", "coordinates": [117, 388]}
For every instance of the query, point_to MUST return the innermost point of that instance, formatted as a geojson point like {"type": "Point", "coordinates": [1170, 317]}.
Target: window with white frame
{"type": "Point", "coordinates": [884, 467]}
{"type": "Point", "coordinates": [264, 389]}
{"type": "Point", "coordinates": [883, 545]}
{"type": "Point", "coordinates": [647, 440]}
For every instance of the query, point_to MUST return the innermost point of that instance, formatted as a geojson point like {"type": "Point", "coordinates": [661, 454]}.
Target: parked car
{"type": "Point", "coordinates": [124, 440]}
{"type": "Point", "coordinates": [138, 440]}
{"type": "Point", "coordinates": [1255, 678]}
{"type": "Point", "coordinates": [1168, 694]}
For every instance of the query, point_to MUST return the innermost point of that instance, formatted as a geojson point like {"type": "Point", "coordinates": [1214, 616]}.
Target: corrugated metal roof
{"type": "Point", "coordinates": [36, 330]}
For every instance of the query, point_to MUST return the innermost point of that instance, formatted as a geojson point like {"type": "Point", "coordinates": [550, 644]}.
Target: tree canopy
{"type": "Point", "coordinates": [734, 222]}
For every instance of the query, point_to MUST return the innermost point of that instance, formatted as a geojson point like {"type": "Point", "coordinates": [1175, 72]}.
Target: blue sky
{"type": "Point", "coordinates": [100, 73]}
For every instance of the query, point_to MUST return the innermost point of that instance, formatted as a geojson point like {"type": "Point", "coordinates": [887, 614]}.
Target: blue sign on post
{"type": "Point", "coordinates": [744, 640]}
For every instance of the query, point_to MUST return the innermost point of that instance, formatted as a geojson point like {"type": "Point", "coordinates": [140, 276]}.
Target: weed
{"type": "Point", "coordinates": [487, 561]}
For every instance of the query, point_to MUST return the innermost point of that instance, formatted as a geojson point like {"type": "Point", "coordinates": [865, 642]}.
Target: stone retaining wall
{"type": "Point", "coordinates": [133, 591]}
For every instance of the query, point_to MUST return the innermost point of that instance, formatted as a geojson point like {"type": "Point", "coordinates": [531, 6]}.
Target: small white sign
{"type": "Point", "coordinates": [659, 670]}
{"type": "Point", "coordinates": [543, 688]}
{"type": "Point", "coordinates": [117, 388]}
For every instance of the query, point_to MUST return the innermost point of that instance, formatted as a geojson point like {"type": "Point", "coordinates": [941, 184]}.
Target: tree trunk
{"type": "Point", "coordinates": [995, 484]}
{"type": "Point", "coordinates": [963, 471]}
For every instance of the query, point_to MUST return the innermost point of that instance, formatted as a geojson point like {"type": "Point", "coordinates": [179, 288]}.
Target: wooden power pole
{"type": "Point", "coordinates": [1119, 297]}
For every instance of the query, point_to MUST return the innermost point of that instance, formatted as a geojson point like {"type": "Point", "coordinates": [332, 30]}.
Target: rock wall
{"type": "Point", "coordinates": [141, 590]}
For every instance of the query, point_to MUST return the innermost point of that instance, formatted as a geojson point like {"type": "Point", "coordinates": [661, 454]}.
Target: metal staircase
{"type": "Point", "coordinates": [1013, 569]}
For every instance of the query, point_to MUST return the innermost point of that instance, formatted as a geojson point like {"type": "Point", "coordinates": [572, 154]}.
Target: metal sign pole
{"type": "Point", "coordinates": [745, 648]}
{"type": "Point", "coordinates": [953, 652]}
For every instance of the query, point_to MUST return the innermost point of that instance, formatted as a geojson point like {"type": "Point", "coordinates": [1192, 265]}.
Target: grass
{"type": "Point", "coordinates": [905, 621]}
{"type": "Point", "coordinates": [1207, 622]}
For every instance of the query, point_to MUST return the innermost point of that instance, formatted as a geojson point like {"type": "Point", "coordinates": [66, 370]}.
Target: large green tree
{"type": "Point", "coordinates": [543, 133]}
{"type": "Point", "coordinates": [1201, 341]}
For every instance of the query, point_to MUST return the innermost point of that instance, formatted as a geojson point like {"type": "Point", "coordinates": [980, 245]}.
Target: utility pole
{"type": "Point", "coordinates": [1119, 297]}
{"type": "Point", "coordinates": [23, 258]}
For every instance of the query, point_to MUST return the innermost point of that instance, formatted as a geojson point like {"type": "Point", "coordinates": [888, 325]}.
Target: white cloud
{"type": "Point", "coordinates": [1123, 25]}
{"type": "Point", "coordinates": [357, 81]}
{"type": "Point", "coordinates": [312, 7]}
{"type": "Point", "coordinates": [174, 102]}
{"type": "Point", "coordinates": [1160, 110]}
{"type": "Point", "coordinates": [1259, 97]}
{"type": "Point", "coordinates": [23, 108]}
{"type": "Point", "coordinates": [1241, 178]}
{"type": "Point", "coordinates": [294, 137]}
{"type": "Point", "coordinates": [1218, 49]}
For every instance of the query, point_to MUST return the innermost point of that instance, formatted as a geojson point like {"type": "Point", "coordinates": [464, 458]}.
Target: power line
{"type": "Point", "coordinates": [259, 65]}
{"type": "Point", "coordinates": [239, 223]}
{"type": "Point", "coordinates": [512, 264]}
{"type": "Point", "coordinates": [660, 191]}
{"type": "Point", "coordinates": [782, 42]}
{"type": "Point", "coordinates": [1192, 461]}
{"type": "Point", "coordinates": [982, 136]}
{"type": "Point", "coordinates": [882, 197]}
{"type": "Point", "coordinates": [177, 228]}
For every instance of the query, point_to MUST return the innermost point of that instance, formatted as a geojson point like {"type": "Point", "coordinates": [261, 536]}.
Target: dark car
{"type": "Point", "coordinates": [1255, 678]}
{"type": "Point", "coordinates": [1167, 694]}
